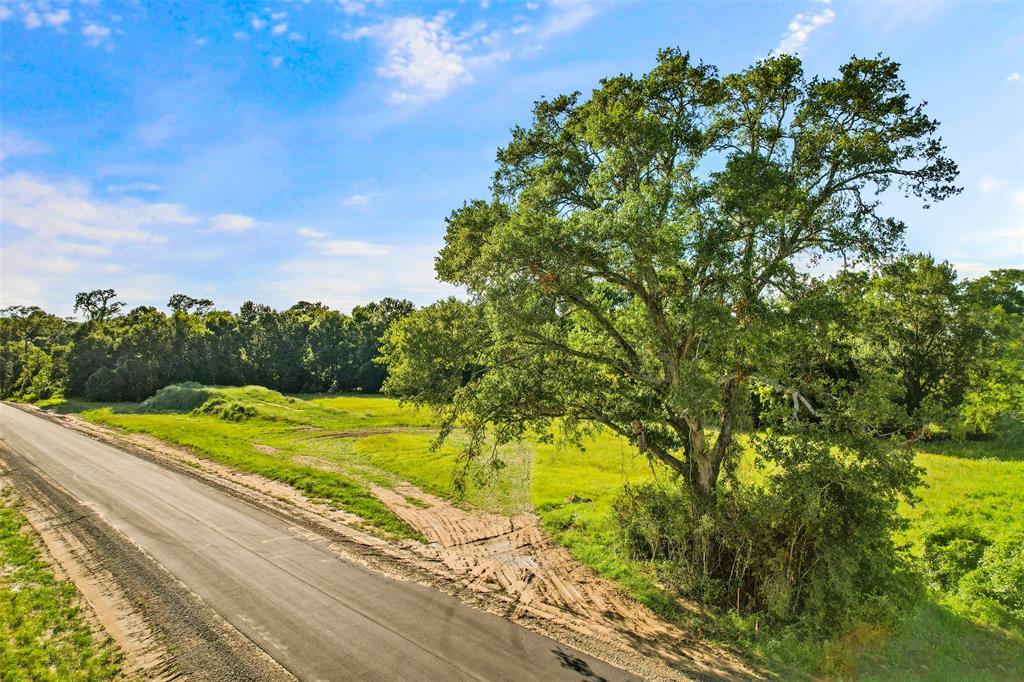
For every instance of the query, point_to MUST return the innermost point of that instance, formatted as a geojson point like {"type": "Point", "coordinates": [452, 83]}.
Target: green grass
{"type": "Point", "coordinates": [45, 635]}
{"type": "Point", "coordinates": [334, 447]}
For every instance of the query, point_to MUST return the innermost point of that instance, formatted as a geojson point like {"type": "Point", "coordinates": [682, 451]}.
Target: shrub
{"type": "Point", "coordinates": [231, 411]}
{"type": "Point", "coordinates": [103, 385]}
{"type": "Point", "coordinates": [809, 544]}
{"type": "Point", "coordinates": [951, 552]}
{"type": "Point", "coordinates": [183, 397]}
{"type": "Point", "coordinates": [999, 578]}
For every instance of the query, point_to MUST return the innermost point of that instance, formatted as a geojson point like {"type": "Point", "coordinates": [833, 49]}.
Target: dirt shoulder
{"type": "Point", "coordinates": [501, 564]}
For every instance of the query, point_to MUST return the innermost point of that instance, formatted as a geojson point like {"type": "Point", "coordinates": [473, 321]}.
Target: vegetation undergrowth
{"type": "Point", "coordinates": [45, 635]}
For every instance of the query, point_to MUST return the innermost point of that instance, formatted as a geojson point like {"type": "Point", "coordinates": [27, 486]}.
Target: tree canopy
{"type": "Point", "coordinates": [644, 260]}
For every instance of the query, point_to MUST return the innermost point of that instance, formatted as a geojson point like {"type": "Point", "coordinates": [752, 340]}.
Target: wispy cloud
{"type": "Point", "coordinates": [96, 34]}
{"type": "Point", "coordinates": [356, 200]}
{"type": "Point", "coordinates": [410, 275]}
{"type": "Point", "coordinates": [58, 18]}
{"type": "Point", "coordinates": [14, 144]}
{"type": "Point", "coordinates": [133, 187]}
{"type": "Point", "coordinates": [68, 209]}
{"type": "Point", "coordinates": [800, 29]}
{"type": "Point", "coordinates": [342, 247]}
{"type": "Point", "coordinates": [566, 16]}
{"type": "Point", "coordinates": [233, 223]}
{"type": "Point", "coordinates": [988, 184]}
{"type": "Point", "coordinates": [310, 233]}
{"type": "Point", "coordinates": [345, 247]}
{"type": "Point", "coordinates": [158, 132]}
{"type": "Point", "coordinates": [1013, 77]}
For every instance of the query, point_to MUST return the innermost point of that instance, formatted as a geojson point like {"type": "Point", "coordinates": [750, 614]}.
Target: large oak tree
{"type": "Point", "coordinates": [642, 261]}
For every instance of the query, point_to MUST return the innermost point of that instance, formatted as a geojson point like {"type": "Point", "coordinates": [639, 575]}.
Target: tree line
{"type": "Point", "coordinates": [118, 355]}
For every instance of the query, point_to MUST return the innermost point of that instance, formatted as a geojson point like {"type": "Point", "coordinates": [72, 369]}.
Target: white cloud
{"type": "Point", "coordinates": [566, 16]}
{"type": "Point", "coordinates": [801, 28]}
{"type": "Point", "coordinates": [972, 270]}
{"type": "Point", "coordinates": [58, 18]}
{"type": "Point", "coordinates": [132, 187]}
{"type": "Point", "coordinates": [240, 35]}
{"type": "Point", "coordinates": [257, 23]}
{"type": "Point", "coordinates": [356, 200]}
{"type": "Point", "coordinates": [352, 7]}
{"type": "Point", "coordinates": [1018, 198]}
{"type": "Point", "coordinates": [32, 20]}
{"type": "Point", "coordinates": [68, 209]}
{"type": "Point", "coordinates": [310, 233]}
{"type": "Point", "coordinates": [532, 6]}
{"type": "Point", "coordinates": [13, 144]}
{"type": "Point", "coordinates": [86, 250]}
{"type": "Point", "coordinates": [423, 56]}
{"type": "Point", "coordinates": [96, 34]}
{"type": "Point", "coordinates": [279, 29]}
{"type": "Point", "coordinates": [1015, 76]}
{"type": "Point", "coordinates": [158, 132]}
{"type": "Point", "coordinates": [234, 223]}
{"type": "Point", "coordinates": [410, 274]}
{"type": "Point", "coordinates": [988, 184]}
{"type": "Point", "coordinates": [344, 247]}
{"type": "Point", "coordinates": [278, 16]}
{"type": "Point", "coordinates": [5, 13]}
{"type": "Point", "coordinates": [276, 61]}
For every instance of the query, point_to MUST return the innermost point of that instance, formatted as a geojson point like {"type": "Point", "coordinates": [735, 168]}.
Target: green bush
{"type": "Point", "coordinates": [808, 545]}
{"type": "Point", "coordinates": [228, 410]}
{"type": "Point", "coordinates": [951, 552]}
{"type": "Point", "coordinates": [998, 580]}
{"type": "Point", "coordinates": [103, 385]}
{"type": "Point", "coordinates": [183, 397]}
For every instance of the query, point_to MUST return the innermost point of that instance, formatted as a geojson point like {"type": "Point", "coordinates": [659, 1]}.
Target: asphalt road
{"type": "Point", "coordinates": [317, 614]}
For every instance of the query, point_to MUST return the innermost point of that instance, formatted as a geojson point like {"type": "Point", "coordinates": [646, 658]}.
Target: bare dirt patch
{"type": "Point", "coordinates": [513, 560]}
{"type": "Point", "coordinates": [269, 449]}
{"type": "Point", "coordinates": [316, 463]}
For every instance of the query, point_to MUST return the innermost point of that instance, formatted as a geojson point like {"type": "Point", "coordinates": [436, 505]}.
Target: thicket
{"type": "Point", "coordinates": [118, 356]}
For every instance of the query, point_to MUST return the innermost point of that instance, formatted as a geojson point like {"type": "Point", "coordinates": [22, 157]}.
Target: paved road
{"type": "Point", "coordinates": [318, 615]}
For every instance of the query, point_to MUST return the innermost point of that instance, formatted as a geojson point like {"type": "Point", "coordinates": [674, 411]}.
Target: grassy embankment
{"type": "Point", "coordinates": [45, 636]}
{"type": "Point", "coordinates": [333, 447]}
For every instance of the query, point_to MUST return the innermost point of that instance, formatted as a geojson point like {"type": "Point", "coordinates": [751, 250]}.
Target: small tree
{"type": "Point", "coordinates": [919, 331]}
{"type": "Point", "coordinates": [99, 304]}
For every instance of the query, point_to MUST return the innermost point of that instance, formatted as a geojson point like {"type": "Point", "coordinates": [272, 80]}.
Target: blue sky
{"type": "Point", "coordinates": [285, 151]}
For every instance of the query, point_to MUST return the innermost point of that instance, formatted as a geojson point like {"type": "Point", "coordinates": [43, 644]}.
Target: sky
{"type": "Point", "coordinates": [287, 151]}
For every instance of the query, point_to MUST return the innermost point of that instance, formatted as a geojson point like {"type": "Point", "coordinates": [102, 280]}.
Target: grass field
{"type": "Point", "coordinates": [334, 447]}
{"type": "Point", "coordinates": [44, 634]}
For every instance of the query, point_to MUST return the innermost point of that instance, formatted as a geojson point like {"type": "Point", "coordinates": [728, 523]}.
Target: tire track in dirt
{"type": "Point", "coordinates": [512, 559]}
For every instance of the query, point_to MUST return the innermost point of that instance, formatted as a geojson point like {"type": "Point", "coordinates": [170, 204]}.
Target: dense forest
{"type": "Point", "coordinates": [117, 355]}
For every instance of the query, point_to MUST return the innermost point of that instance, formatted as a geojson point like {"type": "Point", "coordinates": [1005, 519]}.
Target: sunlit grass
{"type": "Point", "coordinates": [45, 636]}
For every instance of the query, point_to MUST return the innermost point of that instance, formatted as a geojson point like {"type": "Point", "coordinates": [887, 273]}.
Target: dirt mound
{"type": "Point", "coordinates": [511, 558]}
